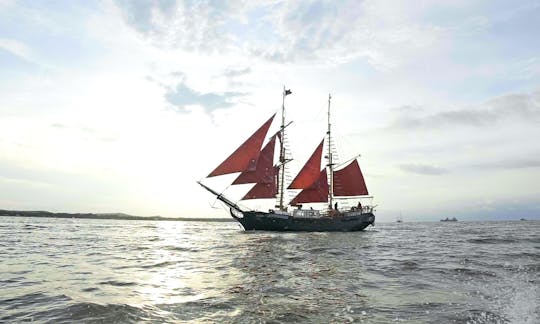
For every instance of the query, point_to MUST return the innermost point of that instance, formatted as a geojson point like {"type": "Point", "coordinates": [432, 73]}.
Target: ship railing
{"type": "Point", "coordinates": [360, 210]}
{"type": "Point", "coordinates": [279, 212]}
{"type": "Point", "coordinates": [306, 213]}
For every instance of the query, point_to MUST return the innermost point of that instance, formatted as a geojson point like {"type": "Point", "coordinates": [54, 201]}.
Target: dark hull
{"type": "Point", "coordinates": [255, 220]}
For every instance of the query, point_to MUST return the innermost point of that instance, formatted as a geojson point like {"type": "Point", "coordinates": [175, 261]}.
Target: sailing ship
{"type": "Point", "coordinates": [255, 165]}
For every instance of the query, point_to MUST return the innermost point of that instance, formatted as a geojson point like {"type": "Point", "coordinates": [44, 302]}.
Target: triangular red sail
{"type": "Point", "coordinates": [245, 157]}
{"type": "Point", "coordinates": [317, 192]}
{"type": "Point", "coordinates": [349, 181]}
{"type": "Point", "coordinates": [310, 172]}
{"type": "Point", "coordinates": [262, 190]}
{"type": "Point", "coordinates": [264, 171]}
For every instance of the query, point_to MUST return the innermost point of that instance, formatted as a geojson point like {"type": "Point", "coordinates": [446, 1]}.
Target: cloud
{"type": "Point", "coordinates": [85, 131]}
{"type": "Point", "coordinates": [194, 26]}
{"type": "Point", "coordinates": [422, 169]}
{"type": "Point", "coordinates": [58, 125]}
{"type": "Point", "coordinates": [523, 107]}
{"type": "Point", "coordinates": [182, 96]}
{"type": "Point", "coordinates": [523, 163]}
{"type": "Point", "coordinates": [233, 77]}
{"type": "Point", "coordinates": [17, 48]}
{"type": "Point", "coordinates": [141, 14]}
{"type": "Point", "coordinates": [305, 31]}
{"type": "Point", "coordinates": [232, 73]}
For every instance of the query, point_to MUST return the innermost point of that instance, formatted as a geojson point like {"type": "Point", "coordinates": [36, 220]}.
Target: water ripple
{"type": "Point", "coordinates": [65, 271]}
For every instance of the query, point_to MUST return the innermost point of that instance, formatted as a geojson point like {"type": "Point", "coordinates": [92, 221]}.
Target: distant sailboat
{"type": "Point", "coordinates": [257, 166]}
{"type": "Point", "coordinates": [399, 219]}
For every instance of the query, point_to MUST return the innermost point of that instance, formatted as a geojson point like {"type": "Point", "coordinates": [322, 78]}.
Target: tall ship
{"type": "Point", "coordinates": [336, 191]}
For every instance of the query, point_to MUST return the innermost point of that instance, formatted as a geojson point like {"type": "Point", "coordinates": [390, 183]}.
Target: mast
{"type": "Point", "coordinates": [330, 161]}
{"type": "Point", "coordinates": [282, 151]}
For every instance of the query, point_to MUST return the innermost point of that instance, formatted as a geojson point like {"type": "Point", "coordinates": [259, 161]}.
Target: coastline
{"type": "Point", "coordinates": [117, 216]}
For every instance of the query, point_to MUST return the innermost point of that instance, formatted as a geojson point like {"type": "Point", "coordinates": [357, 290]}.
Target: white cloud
{"type": "Point", "coordinates": [17, 48]}
{"type": "Point", "coordinates": [521, 107]}
{"type": "Point", "coordinates": [309, 31]}
{"type": "Point", "coordinates": [422, 169]}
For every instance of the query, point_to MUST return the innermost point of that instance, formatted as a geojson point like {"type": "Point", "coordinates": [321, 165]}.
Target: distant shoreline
{"type": "Point", "coordinates": [117, 216]}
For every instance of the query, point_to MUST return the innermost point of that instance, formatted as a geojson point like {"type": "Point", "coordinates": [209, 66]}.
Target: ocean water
{"type": "Point", "coordinates": [77, 270]}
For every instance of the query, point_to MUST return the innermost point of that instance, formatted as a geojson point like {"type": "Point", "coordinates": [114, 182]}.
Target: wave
{"type": "Point", "coordinates": [481, 316]}
{"type": "Point", "coordinates": [159, 264]}
{"type": "Point", "coordinates": [118, 283]}
{"type": "Point", "coordinates": [183, 249]}
{"type": "Point", "coordinates": [504, 240]}
{"type": "Point", "coordinates": [33, 226]}
{"type": "Point", "coordinates": [475, 272]}
{"type": "Point", "coordinates": [92, 312]}
{"type": "Point", "coordinates": [409, 265]}
{"type": "Point", "coordinates": [492, 240]}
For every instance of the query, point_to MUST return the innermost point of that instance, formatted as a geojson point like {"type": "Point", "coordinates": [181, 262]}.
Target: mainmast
{"type": "Point", "coordinates": [330, 161]}
{"type": "Point", "coordinates": [282, 158]}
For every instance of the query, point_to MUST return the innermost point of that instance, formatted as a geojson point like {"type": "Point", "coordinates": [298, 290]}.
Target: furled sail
{"type": "Point", "coordinates": [264, 170]}
{"type": "Point", "coordinates": [317, 192]}
{"type": "Point", "coordinates": [349, 181]}
{"type": "Point", "coordinates": [245, 157]}
{"type": "Point", "coordinates": [310, 172]}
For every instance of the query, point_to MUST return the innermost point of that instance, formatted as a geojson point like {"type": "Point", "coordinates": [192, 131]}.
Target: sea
{"type": "Point", "coordinates": [56, 270]}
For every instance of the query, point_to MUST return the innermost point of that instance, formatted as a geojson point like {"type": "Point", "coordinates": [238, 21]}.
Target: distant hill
{"type": "Point", "coordinates": [119, 216]}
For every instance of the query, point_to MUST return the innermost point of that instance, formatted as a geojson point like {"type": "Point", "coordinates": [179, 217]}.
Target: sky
{"type": "Point", "coordinates": [121, 106]}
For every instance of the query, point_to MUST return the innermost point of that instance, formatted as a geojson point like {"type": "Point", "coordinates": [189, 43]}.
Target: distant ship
{"type": "Point", "coordinates": [453, 219]}
{"type": "Point", "coordinates": [399, 219]}
{"type": "Point", "coordinates": [328, 186]}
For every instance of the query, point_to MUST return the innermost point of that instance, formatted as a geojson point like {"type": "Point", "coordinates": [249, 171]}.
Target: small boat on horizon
{"type": "Point", "coordinates": [327, 186]}
{"type": "Point", "coordinates": [453, 219]}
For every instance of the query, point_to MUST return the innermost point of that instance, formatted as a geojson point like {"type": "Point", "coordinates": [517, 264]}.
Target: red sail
{"type": "Point", "coordinates": [264, 190]}
{"type": "Point", "coordinates": [317, 192]}
{"type": "Point", "coordinates": [349, 181]}
{"type": "Point", "coordinates": [261, 190]}
{"type": "Point", "coordinates": [264, 171]}
{"type": "Point", "coordinates": [245, 157]}
{"type": "Point", "coordinates": [310, 172]}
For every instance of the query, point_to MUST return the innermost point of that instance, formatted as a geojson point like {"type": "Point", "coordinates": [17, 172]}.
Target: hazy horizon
{"type": "Point", "coordinates": [118, 106]}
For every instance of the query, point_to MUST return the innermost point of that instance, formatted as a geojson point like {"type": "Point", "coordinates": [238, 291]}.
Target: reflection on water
{"type": "Point", "coordinates": [74, 269]}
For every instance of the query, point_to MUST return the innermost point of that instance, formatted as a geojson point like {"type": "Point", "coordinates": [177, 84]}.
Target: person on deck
{"type": "Point", "coordinates": [335, 206]}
